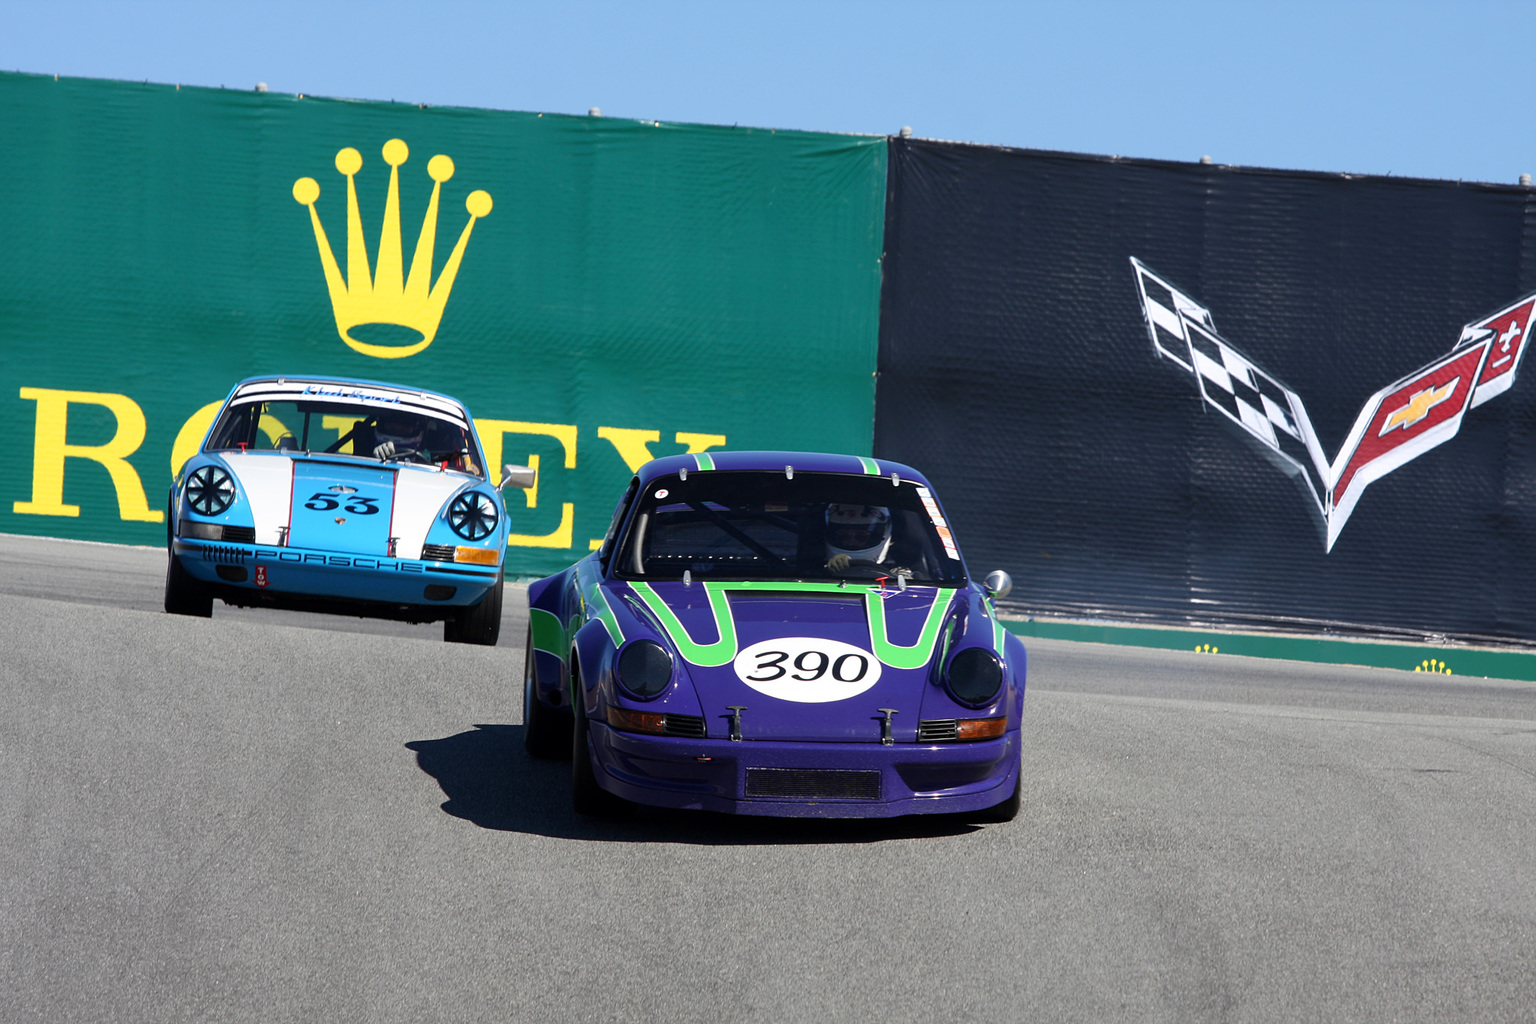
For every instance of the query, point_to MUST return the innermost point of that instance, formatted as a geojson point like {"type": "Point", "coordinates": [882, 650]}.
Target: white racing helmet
{"type": "Point", "coordinates": [862, 532]}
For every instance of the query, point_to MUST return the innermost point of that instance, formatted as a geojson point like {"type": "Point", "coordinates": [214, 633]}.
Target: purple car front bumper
{"type": "Point", "coordinates": [801, 779]}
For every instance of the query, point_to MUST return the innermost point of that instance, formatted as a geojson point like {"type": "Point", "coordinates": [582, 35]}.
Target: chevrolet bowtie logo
{"type": "Point", "coordinates": [1418, 407]}
{"type": "Point", "coordinates": [1398, 423]}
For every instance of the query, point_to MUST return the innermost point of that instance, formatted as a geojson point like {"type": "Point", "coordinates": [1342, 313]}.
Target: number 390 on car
{"type": "Point", "coordinates": [778, 633]}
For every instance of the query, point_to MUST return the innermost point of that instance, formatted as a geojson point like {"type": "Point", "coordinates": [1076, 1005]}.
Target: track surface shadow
{"type": "Point", "coordinates": [491, 781]}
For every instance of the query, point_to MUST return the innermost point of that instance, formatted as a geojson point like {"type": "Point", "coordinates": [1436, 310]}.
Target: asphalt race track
{"type": "Point", "coordinates": [279, 817]}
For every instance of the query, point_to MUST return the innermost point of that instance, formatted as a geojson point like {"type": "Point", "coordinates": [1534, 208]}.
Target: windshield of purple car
{"type": "Point", "coordinates": [732, 525]}
{"type": "Point", "coordinates": [335, 428]}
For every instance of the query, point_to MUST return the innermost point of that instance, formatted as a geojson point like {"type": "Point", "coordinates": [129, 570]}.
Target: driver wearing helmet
{"type": "Point", "coordinates": [857, 533]}
{"type": "Point", "coordinates": [396, 433]}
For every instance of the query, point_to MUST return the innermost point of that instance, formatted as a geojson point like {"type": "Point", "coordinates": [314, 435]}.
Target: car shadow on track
{"type": "Point", "coordinates": [491, 781]}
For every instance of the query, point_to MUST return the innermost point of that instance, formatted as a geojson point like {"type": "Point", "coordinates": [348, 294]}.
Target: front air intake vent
{"type": "Point", "coordinates": [937, 730]}
{"type": "Point", "coordinates": [813, 784]}
{"type": "Point", "coordinates": [437, 552]}
{"type": "Point", "coordinates": [684, 725]}
{"type": "Point", "coordinates": [240, 534]}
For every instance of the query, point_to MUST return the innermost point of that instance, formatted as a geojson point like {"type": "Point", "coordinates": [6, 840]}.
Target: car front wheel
{"type": "Point", "coordinates": [1006, 810]}
{"type": "Point", "coordinates": [480, 623]}
{"type": "Point", "coordinates": [185, 594]}
{"type": "Point", "coordinates": [587, 797]}
{"type": "Point", "coordinates": [546, 730]}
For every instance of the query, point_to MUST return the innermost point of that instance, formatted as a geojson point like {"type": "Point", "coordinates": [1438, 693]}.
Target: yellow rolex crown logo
{"type": "Point", "coordinates": [385, 295]}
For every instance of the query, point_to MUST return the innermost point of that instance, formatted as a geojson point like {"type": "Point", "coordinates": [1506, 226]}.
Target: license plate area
{"type": "Point", "coordinates": [813, 784]}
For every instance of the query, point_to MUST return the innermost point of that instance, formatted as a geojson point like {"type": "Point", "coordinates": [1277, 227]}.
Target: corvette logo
{"type": "Point", "coordinates": [1398, 423]}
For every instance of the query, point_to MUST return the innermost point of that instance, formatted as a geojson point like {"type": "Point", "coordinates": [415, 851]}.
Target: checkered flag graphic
{"type": "Point", "coordinates": [1269, 412]}
{"type": "Point", "coordinates": [1169, 313]}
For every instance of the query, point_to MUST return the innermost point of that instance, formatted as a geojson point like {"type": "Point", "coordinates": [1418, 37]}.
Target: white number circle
{"type": "Point", "coordinates": [808, 670]}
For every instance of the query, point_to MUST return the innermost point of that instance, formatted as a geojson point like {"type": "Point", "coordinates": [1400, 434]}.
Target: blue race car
{"type": "Point", "coordinates": [344, 496]}
{"type": "Point", "coordinates": [777, 633]}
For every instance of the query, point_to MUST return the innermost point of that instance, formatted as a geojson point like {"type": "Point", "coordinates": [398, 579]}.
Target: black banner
{"type": "Point", "coordinates": [1187, 393]}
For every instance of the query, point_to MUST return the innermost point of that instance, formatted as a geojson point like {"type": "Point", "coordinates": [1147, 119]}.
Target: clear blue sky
{"type": "Point", "coordinates": [1440, 90]}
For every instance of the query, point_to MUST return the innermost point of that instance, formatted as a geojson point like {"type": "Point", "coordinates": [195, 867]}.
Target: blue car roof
{"type": "Point", "coordinates": [322, 379]}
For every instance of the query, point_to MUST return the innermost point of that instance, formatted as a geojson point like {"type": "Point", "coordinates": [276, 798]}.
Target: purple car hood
{"type": "Point", "coordinates": [805, 661]}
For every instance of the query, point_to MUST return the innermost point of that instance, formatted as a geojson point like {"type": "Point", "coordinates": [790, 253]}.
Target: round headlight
{"type": "Point", "coordinates": [645, 668]}
{"type": "Point", "coordinates": [472, 515]}
{"type": "Point", "coordinates": [210, 490]}
{"type": "Point", "coordinates": [974, 676]}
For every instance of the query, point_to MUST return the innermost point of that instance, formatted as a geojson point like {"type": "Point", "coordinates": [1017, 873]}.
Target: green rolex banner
{"type": "Point", "coordinates": [597, 291]}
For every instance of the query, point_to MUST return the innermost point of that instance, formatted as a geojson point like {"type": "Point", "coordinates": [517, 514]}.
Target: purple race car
{"type": "Point", "coordinates": [777, 633]}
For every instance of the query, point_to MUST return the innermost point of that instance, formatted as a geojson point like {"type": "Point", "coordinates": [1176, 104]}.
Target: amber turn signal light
{"type": "Point", "coordinates": [637, 721]}
{"type": "Point", "coordinates": [475, 556]}
{"type": "Point", "coordinates": [981, 728]}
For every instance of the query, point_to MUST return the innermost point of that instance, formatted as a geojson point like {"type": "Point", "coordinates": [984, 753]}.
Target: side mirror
{"type": "Point", "coordinates": [517, 476]}
{"type": "Point", "coordinates": [998, 584]}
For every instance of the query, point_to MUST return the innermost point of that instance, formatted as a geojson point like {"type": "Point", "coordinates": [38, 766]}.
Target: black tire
{"type": "Point", "coordinates": [587, 797]}
{"type": "Point", "coordinates": [185, 594]}
{"type": "Point", "coordinates": [546, 730]}
{"type": "Point", "coordinates": [1007, 810]}
{"type": "Point", "coordinates": [479, 623]}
